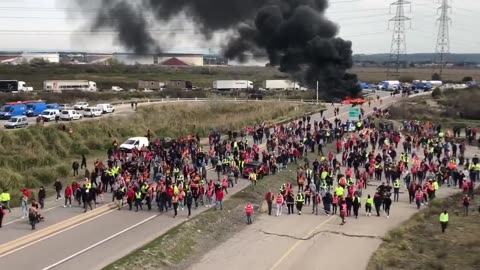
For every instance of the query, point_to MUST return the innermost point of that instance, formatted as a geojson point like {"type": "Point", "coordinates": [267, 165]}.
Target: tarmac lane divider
{"type": "Point", "coordinates": [52, 230]}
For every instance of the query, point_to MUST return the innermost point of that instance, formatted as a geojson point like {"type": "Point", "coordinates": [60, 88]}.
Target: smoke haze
{"type": "Point", "coordinates": [295, 34]}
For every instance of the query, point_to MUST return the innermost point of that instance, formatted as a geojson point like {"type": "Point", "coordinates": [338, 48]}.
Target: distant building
{"type": "Point", "coordinates": [167, 59]}
{"type": "Point", "coordinates": [150, 84]}
{"type": "Point", "coordinates": [214, 60]}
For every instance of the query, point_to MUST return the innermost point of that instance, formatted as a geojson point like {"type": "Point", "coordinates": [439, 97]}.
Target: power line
{"type": "Point", "coordinates": [399, 42]}
{"type": "Point", "coordinates": [443, 38]}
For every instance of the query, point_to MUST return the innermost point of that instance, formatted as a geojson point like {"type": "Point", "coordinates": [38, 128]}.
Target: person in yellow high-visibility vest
{"type": "Point", "coordinates": [253, 177]}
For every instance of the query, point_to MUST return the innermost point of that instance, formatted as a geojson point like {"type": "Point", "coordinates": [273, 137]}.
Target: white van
{"type": "Point", "coordinates": [106, 108]}
{"type": "Point", "coordinates": [49, 115]}
{"type": "Point", "coordinates": [135, 142]}
{"type": "Point", "coordinates": [69, 115]}
{"type": "Point", "coordinates": [92, 112]}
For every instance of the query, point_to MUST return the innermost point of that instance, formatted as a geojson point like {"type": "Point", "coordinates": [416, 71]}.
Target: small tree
{"type": "Point", "coordinates": [436, 77]}
{"type": "Point", "coordinates": [436, 93]}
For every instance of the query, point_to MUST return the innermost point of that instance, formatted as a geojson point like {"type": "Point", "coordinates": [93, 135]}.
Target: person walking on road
{"type": "Point", "coordinates": [377, 201]}
{"type": "Point", "coordinates": [58, 189]}
{"type": "Point", "coordinates": [5, 199]}
{"type": "Point", "coordinates": [280, 202]}
{"type": "Point", "coordinates": [174, 203]}
{"type": "Point", "coordinates": [343, 210]}
{"type": "Point", "coordinates": [2, 213]}
{"type": "Point", "coordinates": [466, 204]}
{"type": "Point", "coordinates": [84, 162]}
{"type": "Point", "coordinates": [368, 205]}
{"type": "Point", "coordinates": [68, 196]}
{"type": "Point", "coordinates": [299, 201]}
{"type": "Point", "coordinates": [138, 200]}
{"type": "Point", "coordinates": [41, 197]}
{"type": "Point", "coordinates": [316, 200]}
{"type": "Point", "coordinates": [356, 205]}
{"type": "Point", "coordinates": [87, 198]}
{"type": "Point", "coordinates": [269, 197]}
{"type": "Point", "coordinates": [119, 194]}
{"type": "Point", "coordinates": [327, 202]}
{"type": "Point", "coordinates": [24, 206]}
{"type": "Point", "coordinates": [444, 220]}
{"type": "Point", "coordinates": [290, 201]}
{"type": "Point", "coordinates": [249, 212]}
{"type": "Point", "coordinates": [189, 202]}
{"type": "Point", "coordinates": [387, 202]}
{"type": "Point", "coordinates": [396, 190]}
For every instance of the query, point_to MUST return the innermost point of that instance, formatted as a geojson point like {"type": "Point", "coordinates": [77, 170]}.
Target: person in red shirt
{"type": "Point", "coordinates": [68, 196]}
{"type": "Point", "coordinates": [130, 198]}
{"type": "Point", "coordinates": [249, 212]}
{"type": "Point", "coordinates": [219, 199]}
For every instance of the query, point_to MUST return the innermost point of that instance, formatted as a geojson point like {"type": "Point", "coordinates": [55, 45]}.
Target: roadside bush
{"type": "Point", "coordinates": [436, 93]}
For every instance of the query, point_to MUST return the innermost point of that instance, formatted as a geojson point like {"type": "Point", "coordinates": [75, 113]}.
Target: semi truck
{"type": "Point", "coordinates": [281, 85]}
{"type": "Point", "coordinates": [14, 86]}
{"type": "Point", "coordinates": [232, 85]}
{"type": "Point", "coordinates": [389, 85]}
{"type": "Point", "coordinates": [69, 85]}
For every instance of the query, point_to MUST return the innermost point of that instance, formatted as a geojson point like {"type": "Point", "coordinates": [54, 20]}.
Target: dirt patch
{"type": "Point", "coordinates": [420, 244]}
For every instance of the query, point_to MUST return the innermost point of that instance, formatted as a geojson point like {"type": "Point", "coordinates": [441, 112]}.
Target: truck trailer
{"type": "Point", "coordinates": [232, 85]}
{"type": "Point", "coordinates": [69, 85]}
{"type": "Point", "coordinates": [281, 85]}
{"type": "Point", "coordinates": [14, 86]}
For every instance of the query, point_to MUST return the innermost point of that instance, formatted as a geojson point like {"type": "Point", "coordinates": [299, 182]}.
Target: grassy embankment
{"type": "Point", "coordinates": [38, 155]}
{"type": "Point", "coordinates": [451, 108]}
{"type": "Point", "coordinates": [420, 244]}
{"type": "Point", "coordinates": [187, 242]}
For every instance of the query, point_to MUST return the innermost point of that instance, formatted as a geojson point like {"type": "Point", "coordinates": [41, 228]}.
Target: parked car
{"type": "Point", "coordinates": [63, 107]}
{"type": "Point", "coordinates": [106, 108]}
{"type": "Point", "coordinates": [49, 115]}
{"type": "Point", "coordinates": [80, 105]}
{"type": "Point", "coordinates": [92, 112]}
{"type": "Point", "coordinates": [17, 122]}
{"type": "Point", "coordinates": [135, 142]}
{"type": "Point", "coordinates": [69, 115]}
{"type": "Point", "coordinates": [256, 166]}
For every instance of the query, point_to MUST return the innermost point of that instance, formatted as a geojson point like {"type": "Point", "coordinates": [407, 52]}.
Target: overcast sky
{"type": "Point", "coordinates": [43, 25]}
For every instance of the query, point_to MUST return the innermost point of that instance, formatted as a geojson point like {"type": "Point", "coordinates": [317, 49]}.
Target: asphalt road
{"type": "Point", "coordinates": [313, 242]}
{"type": "Point", "coordinates": [95, 243]}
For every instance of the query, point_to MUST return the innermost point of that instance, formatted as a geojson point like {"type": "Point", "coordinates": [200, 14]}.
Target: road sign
{"type": "Point", "coordinates": [353, 113]}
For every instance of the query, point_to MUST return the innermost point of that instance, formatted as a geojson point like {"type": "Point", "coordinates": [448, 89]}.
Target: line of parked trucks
{"type": "Point", "coordinates": [17, 112]}
{"type": "Point", "coordinates": [90, 86]}
{"type": "Point", "coordinates": [425, 85]}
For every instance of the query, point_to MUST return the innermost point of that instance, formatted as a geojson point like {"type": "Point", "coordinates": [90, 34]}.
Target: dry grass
{"type": "Point", "coordinates": [419, 243]}
{"type": "Point", "coordinates": [452, 108]}
{"type": "Point", "coordinates": [38, 155]}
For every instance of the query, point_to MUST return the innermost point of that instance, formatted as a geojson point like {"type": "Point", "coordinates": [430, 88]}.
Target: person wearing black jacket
{"type": "Point", "coordinates": [41, 197]}
{"type": "Point", "coordinates": [189, 202]}
{"type": "Point", "coordinates": [377, 201]}
{"type": "Point", "coordinates": [290, 201]}
{"type": "Point", "coordinates": [58, 189]}
{"type": "Point", "coordinates": [87, 198]}
{"type": "Point", "coordinates": [327, 202]}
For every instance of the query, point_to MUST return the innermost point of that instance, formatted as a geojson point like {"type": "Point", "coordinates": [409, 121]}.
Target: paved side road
{"type": "Point", "coordinates": [312, 242]}
{"type": "Point", "coordinates": [113, 234]}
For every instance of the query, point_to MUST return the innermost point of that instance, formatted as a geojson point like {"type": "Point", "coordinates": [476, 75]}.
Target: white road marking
{"type": "Point", "coordinates": [99, 243]}
{"type": "Point", "coordinates": [52, 235]}
{"type": "Point", "coordinates": [17, 220]}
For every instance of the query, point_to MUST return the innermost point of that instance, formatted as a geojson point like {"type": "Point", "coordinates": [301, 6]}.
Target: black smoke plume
{"type": "Point", "coordinates": [295, 34]}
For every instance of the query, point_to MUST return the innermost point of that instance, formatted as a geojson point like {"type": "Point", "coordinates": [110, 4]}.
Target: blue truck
{"type": "Point", "coordinates": [53, 106]}
{"type": "Point", "coordinates": [35, 108]}
{"type": "Point", "coordinates": [12, 109]}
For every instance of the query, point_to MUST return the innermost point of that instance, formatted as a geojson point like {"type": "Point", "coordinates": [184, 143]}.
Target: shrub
{"type": "Point", "coordinates": [436, 93]}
